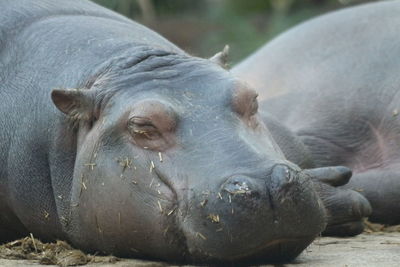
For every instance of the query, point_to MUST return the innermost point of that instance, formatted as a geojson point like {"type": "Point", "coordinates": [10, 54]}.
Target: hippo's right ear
{"type": "Point", "coordinates": [221, 58]}
{"type": "Point", "coordinates": [76, 103]}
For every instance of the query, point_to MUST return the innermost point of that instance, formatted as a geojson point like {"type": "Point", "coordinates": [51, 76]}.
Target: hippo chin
{"type": "Point", "coordinates": [154, 154]}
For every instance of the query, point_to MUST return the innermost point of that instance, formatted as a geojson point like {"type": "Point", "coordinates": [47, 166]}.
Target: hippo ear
{"type": "Point", "coordinates": [221, 58]}
{"type": "Point", "coordinates": [334, 176]}
{"type": "Point", "coordinates": [76, 103]}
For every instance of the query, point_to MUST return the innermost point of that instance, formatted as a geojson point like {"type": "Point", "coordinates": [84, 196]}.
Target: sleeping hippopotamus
{"type": "Point", "coordinates": [334, 82]}
{"type": "Point", "coordinates": [117, 141]}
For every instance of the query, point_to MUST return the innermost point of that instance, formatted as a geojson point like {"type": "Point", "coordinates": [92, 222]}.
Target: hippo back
{"type": "Point", "coordinates": [321, 54]}
{"type": "Point", "coordinates": [347, 60]}
{"type": "Point", "coordinates": [335, 78]}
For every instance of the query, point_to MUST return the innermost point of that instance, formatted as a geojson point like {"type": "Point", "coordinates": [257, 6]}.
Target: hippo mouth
{"type": "Point", "coordinates": [249, 219]}
{"type": "Point", "coordinates": [279, 250]}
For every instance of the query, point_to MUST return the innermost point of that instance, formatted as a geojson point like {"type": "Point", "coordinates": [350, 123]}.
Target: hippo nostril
{"type": "Point", "coordinates": [281, 175]}
{"type": "Point", "coordinates": [283, 180]}
{"type": "Point", "coordinates": [238, 185]}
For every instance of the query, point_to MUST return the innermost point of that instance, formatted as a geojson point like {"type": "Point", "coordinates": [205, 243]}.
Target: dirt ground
{"type": "Point", "coordinates": [378, 246]}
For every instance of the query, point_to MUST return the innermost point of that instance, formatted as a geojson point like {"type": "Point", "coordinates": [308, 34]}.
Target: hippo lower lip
{"type": "Point", "coordinates": [274, 244]}
{"type": "Point", "coordinates": [279, 250]}
{"type": "Point", "coordinates": [276, 249]}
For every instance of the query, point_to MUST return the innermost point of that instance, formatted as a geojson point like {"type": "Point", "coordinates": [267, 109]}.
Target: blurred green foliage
{"type": "Point", "coordinates": [203, 27]}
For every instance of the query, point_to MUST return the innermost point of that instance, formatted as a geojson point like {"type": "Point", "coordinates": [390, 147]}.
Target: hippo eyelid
{"type": "Point", "coordinates": [141, 125]}
{"type": "Point", "coordinates": [140, 121]}
{"type": "Point", "coordinates": [151, 126]}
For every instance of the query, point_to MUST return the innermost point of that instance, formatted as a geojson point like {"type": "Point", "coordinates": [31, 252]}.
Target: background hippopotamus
{"type": "Point", "coordinates": [116, 140]}
{"type": "Point", "coordinates": [334, 82]}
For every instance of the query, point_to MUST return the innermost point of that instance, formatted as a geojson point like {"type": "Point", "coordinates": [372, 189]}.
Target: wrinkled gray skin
{"type": "Point", "coordinates": [334, 82]}
{"type": "Point", "coordinates": [154, 153]}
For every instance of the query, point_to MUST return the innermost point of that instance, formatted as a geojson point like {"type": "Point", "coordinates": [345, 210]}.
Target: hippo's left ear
{"type": "Point", "coordinates": [76, 103]}
{"type": "Point", "coordinates": [221, 58]}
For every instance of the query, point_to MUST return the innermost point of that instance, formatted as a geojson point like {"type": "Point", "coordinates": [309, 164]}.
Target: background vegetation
{"type": "Point", "coordinates": [203, 27]}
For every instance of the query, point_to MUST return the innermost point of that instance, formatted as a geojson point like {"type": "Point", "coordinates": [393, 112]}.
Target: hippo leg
{"type": "Point", "coordinates": [345, 208]}
{"type": "Point", "coordinates": [382, 188]}
{"type": "Point", "coordinates": [378, 180]}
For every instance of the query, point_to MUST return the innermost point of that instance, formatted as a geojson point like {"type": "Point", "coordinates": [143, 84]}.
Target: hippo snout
{"type": "Point", "coordinates": [253, 215]}
{"type": "Point", "coordinates": [277, 185]}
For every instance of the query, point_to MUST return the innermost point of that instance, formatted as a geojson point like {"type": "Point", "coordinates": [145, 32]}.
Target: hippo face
{"type": "Point", "coordinates": [176, 164]}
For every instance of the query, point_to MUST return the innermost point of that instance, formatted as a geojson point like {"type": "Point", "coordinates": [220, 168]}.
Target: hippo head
{"type": "Point", "coordinates": [173, 162]}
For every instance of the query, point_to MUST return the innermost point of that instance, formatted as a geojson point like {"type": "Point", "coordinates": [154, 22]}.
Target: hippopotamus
{"type": "Point", "coordinates": [333, 82]}
{"type": "Point", "coordinates": [117, 141]}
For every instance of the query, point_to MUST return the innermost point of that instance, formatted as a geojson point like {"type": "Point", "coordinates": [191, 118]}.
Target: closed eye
{"type": "Point", "coordinates": [151, 125]}
{"type": "Point", "coordinates": [140, 121]}
{"type": "Point", "coordinates": [142, 127]}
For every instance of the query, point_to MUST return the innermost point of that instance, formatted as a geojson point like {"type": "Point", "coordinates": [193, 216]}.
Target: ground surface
{"type": "Point", "coordinates": [367, 249]}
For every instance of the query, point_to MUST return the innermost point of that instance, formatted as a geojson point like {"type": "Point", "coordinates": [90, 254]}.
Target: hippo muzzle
{"type": "Point", "coordinates": [270, 219]}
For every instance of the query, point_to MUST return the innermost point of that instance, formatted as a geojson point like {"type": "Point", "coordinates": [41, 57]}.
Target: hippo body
{"type": "Point", "coordinates": [119, 142]}
{"type": "Point", "coordinates": [334, 82]}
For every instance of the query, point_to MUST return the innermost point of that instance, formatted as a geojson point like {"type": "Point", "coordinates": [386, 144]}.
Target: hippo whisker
{"type": "Point", "coordinates": [159, 205]}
